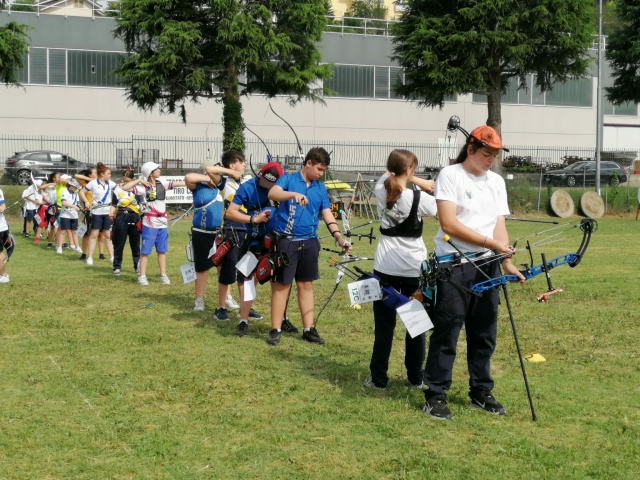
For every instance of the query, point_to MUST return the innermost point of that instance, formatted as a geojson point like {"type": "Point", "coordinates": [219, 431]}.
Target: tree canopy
{"type": "Point", "coordinates": [220, 49]}
{"type": "Point", "coordinates": [450, 47]}
{"type": "Point", "coordinates": [13, 47]}
{"type": "Point", "coordinates": [624, 55]}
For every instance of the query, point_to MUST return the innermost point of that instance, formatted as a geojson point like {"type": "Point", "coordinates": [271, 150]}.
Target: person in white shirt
{"type": "Point", "coordinates": [6, 241]}
{"type": "Point", "coordinates": [69, 216]}
{"type": "Point", "coordinates": [400, 252]}
{"type": "Point", "coordinates": [33, 199]}
{"type": "Point", "coordinates": [472, 206]}
{"type": "Point", "coordinates": [100, 204]}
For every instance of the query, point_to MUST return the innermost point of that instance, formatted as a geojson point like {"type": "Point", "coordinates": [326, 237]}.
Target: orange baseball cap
{"type": "Point", "coordinates": [488, 137]}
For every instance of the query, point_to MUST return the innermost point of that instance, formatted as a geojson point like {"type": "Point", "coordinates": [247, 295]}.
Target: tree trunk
{"type": "Point", "coordinates": [232, 123]}
{"type": "Point", "coordinates": [494, 120]}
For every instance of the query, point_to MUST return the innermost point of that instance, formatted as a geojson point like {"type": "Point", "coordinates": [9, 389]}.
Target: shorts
{"type": "Point", "coordinates": [228, 274]}
{"type": "Point", "coordinates": [303, 261]}
{"type": "Point", "coordinates": [158, 237]}
{"type": "Point", "coordinates": [101, 222]}
{"type": "Point", "coordinates": [4, 235]}
{"type": "Point", "coordinates": [29, 215]}
{"type": "Point", "coordinates": [68, 223]}
{"type": "Point", "coordinates": [202, 245]}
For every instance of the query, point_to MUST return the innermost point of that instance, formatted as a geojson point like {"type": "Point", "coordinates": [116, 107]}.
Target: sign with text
{"type": "Point", "coordinates": [364, 291]}
{"type": "Point", "coordinates": [177, 194]}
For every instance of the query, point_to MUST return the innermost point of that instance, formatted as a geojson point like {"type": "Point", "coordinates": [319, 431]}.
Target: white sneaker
{"type": "Point", "coordinates": [5, 279]}
{"type": "Point", "coordinates": [231, 303]}
{"type": "Point", "coordinates": [164, 280]}
{"type": "Point", "coordinates": [89, 260]}
{"type": "Point", "coordinates": [199, 305]}
{"type": "Point", "coordinates": [111, 260]}
{"type": "Point", "coordinates": [142, 280]}
{"type": "Point", "coordinates": [78, 249]}
{"type": "Point", "coordinates": [59, 250]}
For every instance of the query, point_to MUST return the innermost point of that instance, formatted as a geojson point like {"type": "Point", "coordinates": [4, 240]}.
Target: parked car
{"type": "Point", "coordinates": [584, 173]}
{"type": "Point", "coordinates": [41, 162]}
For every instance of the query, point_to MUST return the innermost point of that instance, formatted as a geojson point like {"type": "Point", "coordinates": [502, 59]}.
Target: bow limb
{"type": "Point", "coordinates": [300, 151]}
{"type": "Point", "coordinates": [265, 146]}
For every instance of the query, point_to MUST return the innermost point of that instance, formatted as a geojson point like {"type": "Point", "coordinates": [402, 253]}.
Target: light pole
{"type": "Point", "coordinates": [599, 123]}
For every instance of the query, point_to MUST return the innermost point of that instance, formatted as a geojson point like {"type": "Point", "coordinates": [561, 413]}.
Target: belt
{"type": "Point", "coordinates": [210, 232]}
{"type": "Point", "coordinates": [455, 256]}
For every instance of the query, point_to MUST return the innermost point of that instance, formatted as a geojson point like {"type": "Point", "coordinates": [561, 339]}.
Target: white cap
{"type": "Point", "coordinates": [148, 168]}
{"type": "Point", "coordinates": [38, 183]}
{"type": "Point", "coordinates": [66, 177]}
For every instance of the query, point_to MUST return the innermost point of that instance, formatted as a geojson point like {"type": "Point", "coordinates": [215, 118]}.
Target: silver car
{"type": "Point", "coordinates": [42, 163]}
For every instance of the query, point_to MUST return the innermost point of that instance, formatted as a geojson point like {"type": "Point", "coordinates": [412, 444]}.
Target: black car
{"type": "Point", "coordinates": [584, 173]}
{"type": "Point", "coordinates": [41, 163]}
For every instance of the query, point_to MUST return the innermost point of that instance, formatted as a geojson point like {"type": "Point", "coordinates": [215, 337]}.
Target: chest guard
{"type": "Point", "coordinates": [411, 227]}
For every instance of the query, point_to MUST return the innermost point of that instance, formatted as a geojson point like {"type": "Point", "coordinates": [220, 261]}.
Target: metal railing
{"type": "Point", "coordinates": [89, 9]}
{"type": "Point", "coordinates": [347, 156]}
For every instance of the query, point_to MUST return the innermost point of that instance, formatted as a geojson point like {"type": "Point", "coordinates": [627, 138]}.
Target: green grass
{"type": "Point", "coordinates": [105, 379]}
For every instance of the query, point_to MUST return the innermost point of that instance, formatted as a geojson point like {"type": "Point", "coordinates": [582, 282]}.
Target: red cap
{"type": "Point", "coordinates": [271, 172]}
{"type": "Point", "coordinates": [488, 137]}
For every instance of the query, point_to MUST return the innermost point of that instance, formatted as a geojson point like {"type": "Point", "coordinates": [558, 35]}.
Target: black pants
{"type": "Point", "coordinates": [455, 307]}
{"type": "Point", "coordinates": [385, 322]}
{"type": "Point", "coordinates": [125, 225]}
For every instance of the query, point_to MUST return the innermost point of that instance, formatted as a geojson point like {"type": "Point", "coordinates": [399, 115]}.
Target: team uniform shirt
{"type": "Point", "coordinates": [59, 190]}
{"type": "Point", "coordinates": [51, 196]}
{"type": "Point", "coordinates": [3, 221]}
{"type": "Point", "coordinates": [72, 198]}
{"type": "Point", "coordinates": [254, 199]}
{"type": "Point", "coordinates": [296, 220]}
{"type": "Point", "coordinates": [400, 256]}
{"type": "Point", "coordinates": [479, 202]}
{"type": "Point", "coordinates": [156, 211]}
{"type": "Point", "coordinates": [30, 195]}
{"type": "Point", "coordinates": [229, 187]}
{"type": "Point", "coordinates": [101, 196]}
{"type": "Point", "coordinates": [207, 206]}
{"type": "Point", "coordinates": [123, 199]}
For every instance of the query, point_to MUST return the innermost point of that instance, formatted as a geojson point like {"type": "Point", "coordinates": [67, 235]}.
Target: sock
{"type": "Point", "coordinates": [279, 329]}
{"type": "Point", "coordinates": [243, 321]}
{"type": "Point", "coordinates": [199, 298]}
{"type": "Point", "coordinates": [307, 329]}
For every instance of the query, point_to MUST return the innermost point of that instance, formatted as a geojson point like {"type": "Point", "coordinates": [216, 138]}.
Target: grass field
{"type": "Point", "coordinates": [102, 378]}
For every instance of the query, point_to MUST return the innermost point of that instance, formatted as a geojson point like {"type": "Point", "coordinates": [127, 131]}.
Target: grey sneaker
{"type": "Point", "coordinates": [164, 280]}
{"type": "Point", "coordinates": [418, 384]}
{"type": "Point", "coordinates": [287, 326]}
{"type": "Point", "coordinates": [274, 337]}
{"type": "Point", "coordinates": [198, 305]}
{"type": "Point", "coordinates": [437, 408]}
{"type": "Point", "coordinates": [221, 315]}
{"type": "Point", "coordinates": [486, 401]}
{"type": "Point", "coordinates": [253, 315]}
{"type": "Point", "coordinates": [242, 329]}
{"type": "Point", "coordinates": [229, 302]}
{"type": "Point", "coordinates": [116, 271]}
{"type": "Point", "coordinates": [368, 383]}
{"type": "Point", "coordinates": [312, 336]}
{"type": "Point", "coordinates": [142, 280]}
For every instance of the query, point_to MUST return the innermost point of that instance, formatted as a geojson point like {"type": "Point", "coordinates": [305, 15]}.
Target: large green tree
{"type": "Point", "coordinates": [450, 47]}
{"type": "Point", "coordinates": [623, 53]}
{"type": "Point", "coordinates": [13, 47]}
{"type": "Point", "coordinates": [220, 49]}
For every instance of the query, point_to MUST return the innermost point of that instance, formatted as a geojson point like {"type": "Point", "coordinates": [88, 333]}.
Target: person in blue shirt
{"type": "Point", "coordinates": [251, 207]}
{"type": "Point", "coordinates": [303, 199]}
{"type": "Point", "coordinates": [207, 219]}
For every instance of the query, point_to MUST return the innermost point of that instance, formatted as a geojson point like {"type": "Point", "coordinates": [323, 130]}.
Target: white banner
{"type": "Point", "coordinates": [178, 194]}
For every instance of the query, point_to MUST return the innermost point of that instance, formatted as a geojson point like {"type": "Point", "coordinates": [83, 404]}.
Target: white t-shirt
{"type": "Point", "coordinates": [72, 198]}
{"type": "Point", "coordinates": [156, 214]}
{"type": "Point", "coordinates": [401, 256]}
{"type": "Point", "coordinates": [100, 196]}
{"type": "Point", "coordinates": [30, 194]}
{"type": "Point", "coordinates": [3, 221]}
{"type": "Point", "coordinates": [479, 202]}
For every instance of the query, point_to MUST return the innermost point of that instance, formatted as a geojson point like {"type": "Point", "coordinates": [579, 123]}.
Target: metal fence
{"type": "Point", "coordinates": [190, 153]}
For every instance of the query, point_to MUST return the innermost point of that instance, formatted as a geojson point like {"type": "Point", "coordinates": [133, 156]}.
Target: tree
{"type": "Point", "coordinates": [368, 9]}
{"type": "Point", "coordinates": [13, 48]}
{"type": "Point", "coordinates": [24, 6]}
{"type": "Point", "coordinates": [623, 54]}
{"type": "Point", "coordinates": [220, 49]}
{"type": "Point", "coordinates": [450, 47]}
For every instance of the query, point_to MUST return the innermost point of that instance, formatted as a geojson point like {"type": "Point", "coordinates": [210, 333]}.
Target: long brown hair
{"type": "Point", "coordinates": [101, 168]}
{"type": "Point", "coordinates": [398, 163]}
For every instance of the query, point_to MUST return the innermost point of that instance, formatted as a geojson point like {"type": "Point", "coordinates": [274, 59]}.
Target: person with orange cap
{"type": "Point", "coordinates": [472, 206]}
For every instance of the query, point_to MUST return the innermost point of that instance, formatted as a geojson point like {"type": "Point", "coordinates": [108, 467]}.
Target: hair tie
{"type": "Point", "coordinates": [391, 173]}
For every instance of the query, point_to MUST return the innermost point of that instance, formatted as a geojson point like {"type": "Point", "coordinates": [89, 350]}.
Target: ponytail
{"type": "Point", "coordinates": [398, 163]}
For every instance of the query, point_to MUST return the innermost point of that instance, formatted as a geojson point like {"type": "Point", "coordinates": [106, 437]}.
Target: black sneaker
{"type": "Point", "coordinates": [437, 408]}
{"type": "Point", "coordinates": [287, 326]}
{"type": "Point", "coordinates": [221, 315]}
{"type": "Point", "coordinates": [64, 245]}
{"type": "Point", "coordinates": [243, 328]}
{"type": "Point", "coordinates": [369, 383]}
{"type": "Point", "coordinates": [49, 245]}
{"type": "Point", "coordinates": [25, 235]}
{"type": "Point", "coordinates": [274, 337]}
{"type": "Point", "coordinates": [484, 400]}
{"type": "Point", "coordinates": [253, 315]}
{"type": "Point", "coordinates": [312, 336]}
{"type": "Point", "coordinates": [83, 256]}
{"type": "Point", "coordinates": [102, 257]}
{"type": "Point", "coordinates": [418, 384]}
